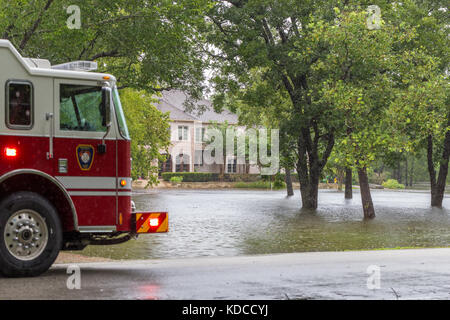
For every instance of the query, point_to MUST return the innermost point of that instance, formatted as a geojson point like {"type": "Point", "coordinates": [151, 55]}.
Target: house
{"type": "Point", "coordinates": [188, 136]}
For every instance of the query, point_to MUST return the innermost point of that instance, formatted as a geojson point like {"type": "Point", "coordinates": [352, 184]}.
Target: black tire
{"type": "Point", "coordinates": [11, 266]}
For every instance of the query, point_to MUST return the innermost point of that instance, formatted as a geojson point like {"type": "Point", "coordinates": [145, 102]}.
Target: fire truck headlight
{"type": "Point", "coordinates": [123, 182]}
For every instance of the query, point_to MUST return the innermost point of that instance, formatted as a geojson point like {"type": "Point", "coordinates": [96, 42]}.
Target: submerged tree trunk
{"type": "Point", "coordinates": [310, 164]}
{"type": "Point", "coordinates": [308, 176]}
{"type": "Point", "coordinates": [288, 178]}
{"type": "Point", "coordinates": [340, 178]}
{"type": "Point", "coordinates": [348, 184]}
{"type": "Point", "coordinates": [438, 186]}
{"type": "Point", "coordinates": [366, 198]}
{"type": "Point", "coordinates": [309, 192]}
{"type": "Point", "coordinates": [406, 171]}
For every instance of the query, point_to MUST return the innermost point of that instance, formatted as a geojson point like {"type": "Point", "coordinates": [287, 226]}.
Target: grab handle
{"type": "Point", "coordinates": [49, 117]}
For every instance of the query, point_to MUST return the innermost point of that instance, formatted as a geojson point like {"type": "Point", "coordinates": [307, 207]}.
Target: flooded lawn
{"type": "Point", "coordinates": [242, 222]}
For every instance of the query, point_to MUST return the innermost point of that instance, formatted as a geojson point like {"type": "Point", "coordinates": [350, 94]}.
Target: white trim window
{"type": "Point", "coordinates": [200, 134]}
{"type": "Point", "coordinates": [183, 133]}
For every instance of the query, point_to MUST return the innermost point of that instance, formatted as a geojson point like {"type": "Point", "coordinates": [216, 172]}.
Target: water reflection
{"type": "Point", "coordinates": [236, 222]}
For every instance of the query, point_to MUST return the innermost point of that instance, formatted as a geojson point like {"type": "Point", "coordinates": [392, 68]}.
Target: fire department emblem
{"type": "Point", "coordinates": [85, 156]}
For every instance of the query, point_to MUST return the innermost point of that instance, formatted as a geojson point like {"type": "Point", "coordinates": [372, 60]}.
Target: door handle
{"type": "Point", "coordinates": [49, 117]}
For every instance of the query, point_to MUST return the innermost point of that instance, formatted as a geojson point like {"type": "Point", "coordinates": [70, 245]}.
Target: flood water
{"type": "Point", "coordinates": [243, 222]}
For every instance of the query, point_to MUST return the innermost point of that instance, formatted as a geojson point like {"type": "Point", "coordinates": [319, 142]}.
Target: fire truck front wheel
{"type": "Point", "coordinates": [30, 235]}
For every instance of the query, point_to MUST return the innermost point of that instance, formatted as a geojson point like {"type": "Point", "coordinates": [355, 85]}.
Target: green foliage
{"type": "Point", "coordinates": [278, 182]}
{"type": "Point", "coordinates": [191, 176]}
{"type": "Point", "coordinates": [176, 179]}
{"type": "Point", "coordinates": [359, 56]}
{"type": "Point", "coordinates": [258, 185]}
{"type": "Point", "coordinates": [149, 130]}
{"type": "Point", "coordinates": [210, 177]}
{"type": "Point", "coordinates": [393, 184]}
{"type": "Point", "coordinates": [146, 45]}
{"type": "Point", "coordinates": [259, 73]}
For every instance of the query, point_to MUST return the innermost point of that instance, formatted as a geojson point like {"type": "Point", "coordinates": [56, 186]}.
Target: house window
{"type": "Point", "coordinates": [200, 134]}
{"type": "Point", "coordinates": [182, 133]}
{"type": "Point", "coordinates": [19, 102]}
{"type": "Point", "coordinates": [231, 165]}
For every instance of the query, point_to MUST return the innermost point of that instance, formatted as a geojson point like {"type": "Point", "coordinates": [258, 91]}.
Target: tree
{"type": "Point", "coordinates": [149, 128]}
{"type": "Point", "coordinates": [422, 101]}
{"type": "Point", "coordinates": [275, 38]}
{"type": "Point", "coordinates": [360, 66]}
{"type": "Point", "coordinates": [262, 105]}
{"type": "Point", "coordinates": [151, 45]}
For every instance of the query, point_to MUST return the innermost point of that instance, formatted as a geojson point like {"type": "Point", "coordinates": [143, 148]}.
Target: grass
{"type": "Point", "coordinates": [396, 248]}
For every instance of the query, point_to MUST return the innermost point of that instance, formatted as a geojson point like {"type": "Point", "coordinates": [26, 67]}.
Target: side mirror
{"type": "Point", "coordinates": [106, 106]}
{"type": "Point", "coordinates": [106, 113]}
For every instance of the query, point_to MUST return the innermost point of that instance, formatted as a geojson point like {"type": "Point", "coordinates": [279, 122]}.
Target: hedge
{"type": "Point", "coordinates": [210, 177]}
{"type": "Point", "coordinates": [191, 176]}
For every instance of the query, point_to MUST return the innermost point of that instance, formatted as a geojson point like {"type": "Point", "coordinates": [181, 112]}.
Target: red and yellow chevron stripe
{"type": "Point", "coordinates": [152, 222]}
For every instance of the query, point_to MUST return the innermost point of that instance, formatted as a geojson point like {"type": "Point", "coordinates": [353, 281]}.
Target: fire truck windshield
{"type": "Point", "coordinates": [123, 129]}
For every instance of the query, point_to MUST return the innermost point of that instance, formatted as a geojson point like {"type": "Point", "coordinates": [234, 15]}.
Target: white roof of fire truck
{"type": "Point", "coordinates": [72, 70]}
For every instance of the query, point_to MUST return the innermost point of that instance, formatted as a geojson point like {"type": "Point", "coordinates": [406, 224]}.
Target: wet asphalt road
{"type": "Point", "coordinates": [404, 274]}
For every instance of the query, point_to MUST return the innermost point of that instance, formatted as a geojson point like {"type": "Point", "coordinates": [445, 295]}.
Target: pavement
{"type": "Point", "coordinates": [382, 274]}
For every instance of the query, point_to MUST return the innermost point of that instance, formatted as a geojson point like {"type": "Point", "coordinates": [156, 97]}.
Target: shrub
{"type": "Point", "coordinates": [279, 182]}
{"type": "Point", "coordinates": [259, 185]}
{"type": "Point", "coordinates": [209, 176]}
{"type": "Point", "coordinates": [393, 184]}
{"type": "Point", "coordinates": [241, 177]}
{"type": "Point", "coordinates": [191, 176]}
{"type": "Point", "coordinates": [253, 185]}
{"type": "Point", "coordinates": [176, 179]}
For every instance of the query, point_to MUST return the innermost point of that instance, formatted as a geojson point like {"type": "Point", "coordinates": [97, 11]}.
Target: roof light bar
{"type": "Point", "coordinates": [77, 66]}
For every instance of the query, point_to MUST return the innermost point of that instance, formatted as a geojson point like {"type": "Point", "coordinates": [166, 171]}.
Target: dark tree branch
{"type": "Point", "coordinates": [27, 36]}
{"type": "Point", "coordinates": [294, 26]}
{"type": "Point", "coordinates": [89, 46]}
{"type": "Point", "coordinates": [112, 53]}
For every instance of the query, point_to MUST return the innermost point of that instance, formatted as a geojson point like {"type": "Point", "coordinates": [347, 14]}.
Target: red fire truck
{"type": "Point", "coordinates": [65, 163]}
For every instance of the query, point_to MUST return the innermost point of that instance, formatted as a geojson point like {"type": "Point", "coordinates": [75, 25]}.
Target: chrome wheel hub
{"type": "Point", "coordinates": [26, 234]}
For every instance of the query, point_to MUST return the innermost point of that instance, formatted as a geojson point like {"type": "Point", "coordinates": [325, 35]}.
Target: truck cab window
{"type": "Point", "coordinates": [81, 108]}
{"type": "Point", "coordinates": [19, 105]}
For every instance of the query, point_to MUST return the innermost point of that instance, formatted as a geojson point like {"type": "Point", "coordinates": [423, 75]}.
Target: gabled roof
{"type": "Point", "coordinates": [173, 101]}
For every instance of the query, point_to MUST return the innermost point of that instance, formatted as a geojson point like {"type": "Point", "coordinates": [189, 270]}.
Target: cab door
{"type": "Point", "coordinates": [84, 153]}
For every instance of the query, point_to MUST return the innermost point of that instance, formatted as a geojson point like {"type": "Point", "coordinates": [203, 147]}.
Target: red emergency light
{"type": "Point", "coordinates": [10, 152]}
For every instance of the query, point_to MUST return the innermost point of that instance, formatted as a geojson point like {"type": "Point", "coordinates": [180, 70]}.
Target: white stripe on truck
{"type": "Point", "coordinates": [109, 183]}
